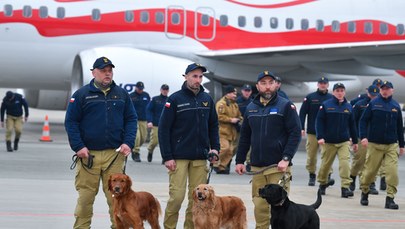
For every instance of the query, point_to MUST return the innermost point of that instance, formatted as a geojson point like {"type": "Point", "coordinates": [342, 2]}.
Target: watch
{"type": "Point", "coordinates": [286, 158]}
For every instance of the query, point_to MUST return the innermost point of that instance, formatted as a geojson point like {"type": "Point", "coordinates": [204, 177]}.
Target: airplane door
{"type": "Point", "coordinates": [175, 26]}
{"type": "Point", "coordinates": [204, 20]}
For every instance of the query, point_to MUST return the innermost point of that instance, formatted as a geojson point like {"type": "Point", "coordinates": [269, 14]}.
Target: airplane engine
{"type": "Point", "coordinates": [47, 99]}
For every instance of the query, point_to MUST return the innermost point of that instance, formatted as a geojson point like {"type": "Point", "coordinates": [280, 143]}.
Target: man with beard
{"type": "Point", "coordinates": [272, 128]}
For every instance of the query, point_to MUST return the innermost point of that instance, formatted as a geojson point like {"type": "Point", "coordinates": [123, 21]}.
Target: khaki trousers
{"type": "Point", "coordinates": [195, 171]}
{"type": "Point", "coordinates": [312, 148]}
{"type": "Point", "coordinates": [359, 158]}
{"type": "Point", "coordinates": [16, 123]}
{"type": "Point", "coordinates": [376, 153]}
{"type": "Point", "coordinates": [87, 183]}
{"type": "Point", "coordinates": [141, 135]}
{"type": "Point", "coordinates": [153, 142]}
{"type": "Point", "coordinates": [227, 151]}
{"type": "Point", "coordinates": [262, 208]}
{"type": "Point", "coordinates": [330, 150]}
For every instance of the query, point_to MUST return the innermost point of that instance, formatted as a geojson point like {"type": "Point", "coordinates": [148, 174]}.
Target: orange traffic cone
{"type": "Point", "coordinates": [46, 137]}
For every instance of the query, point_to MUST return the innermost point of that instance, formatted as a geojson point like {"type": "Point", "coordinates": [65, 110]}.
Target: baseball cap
{"type": "Point", "coordinates": [278, 79]}
{"type": "Point", "coordinates": [323, 80]}
{"type": "Point", "coordinates": [264, 74]}
{"type": "Point", "coordinates": [377, 81]}
{"type": "Point", "coordinates": [229, 89]}
{"type": "Point", "coordinates": [373, 90]}
{"type": "Point", "coordinates": [164, 87]}
{"type": "Point", "coordinates": [387, 84]}
{"type": "Point", "coordinates": [194, 66]}
{"type": "Point", "coordinates": [338, 85]}
{"type": "Point", "coordinates": [101, 63]}
{"type": "Point", "coordinates": [140, 85]}
{"type": "Point", "coordinates": [246, 87]}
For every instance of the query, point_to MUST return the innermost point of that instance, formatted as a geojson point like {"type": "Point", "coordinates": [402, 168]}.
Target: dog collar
{"type": "Point", "coordinates": [281, 203]}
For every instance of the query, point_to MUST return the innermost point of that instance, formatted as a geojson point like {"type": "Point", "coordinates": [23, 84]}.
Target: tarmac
{"type": "Point", "coordinates": [37, 186]}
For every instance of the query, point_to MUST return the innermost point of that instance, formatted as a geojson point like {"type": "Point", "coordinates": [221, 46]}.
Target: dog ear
{"type": "Point", "coordinates": [283, 193]}
{"type": "Point", "coordinates": [195, 193]}
{"type": "Point", "coordinates": [128, 183]}
{"type": "Point", "coordinates": [110, 183]}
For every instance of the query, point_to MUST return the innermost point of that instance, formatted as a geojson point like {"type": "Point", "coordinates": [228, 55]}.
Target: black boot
{"type": "Point", "coordinates": [373, 190]}
{"type": "Point", "coordinates": [9, 149]}
{"type": "Point", "coordinates": [346, 193]}
{"type": "Point", "coordinates": [364, 199]}
{"type": "Point", "coordinates": [136, 157]}
{"type": "Point", "coordinates": [312, 178]}
{"type": "Point", "coordinates": [390, 204]}
{"type": "Point", "coordinates": [331, 181]}
{"type": "Point", "coordinates": [150, 155]}
{"type": "Point", "coordinates": [16, 143]}
{"type": "Point", "coordinates": [383, 185]}
{"type": "Point", "coordinates": [323, 187]}
{"type": "Point", "coordinates": [352, 186]}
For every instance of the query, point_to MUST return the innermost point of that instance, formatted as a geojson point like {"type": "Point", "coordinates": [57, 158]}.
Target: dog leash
{"type": "Point", "coordinates": [211, 157]}
{"type": "Point", "coordinates": [283, 180]}
{"type": "Point", "coordinates": [262, 170]}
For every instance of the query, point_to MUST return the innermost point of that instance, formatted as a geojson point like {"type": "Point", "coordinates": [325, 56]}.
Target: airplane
{"type": "Point", "coordinates": [47, 47]}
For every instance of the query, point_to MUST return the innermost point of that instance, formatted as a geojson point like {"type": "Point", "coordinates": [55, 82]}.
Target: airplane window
{"type": "Point", "coordinates": [383, 28]}
{"type": "Point", "coordinates": [27, 11]}
{"type": "Point", "coordinates": [223, 20]}
{"type": "Point", "coordinates": [144, 17]}
{"type": "Point", "coordinates": [95, 15]}
{"type": "Point", "coordinates": [273, 22]}
{"type": "Point", "coordinates": [175, 18]}
{"type": "Point", "coordinates": [289, 23]}
{"type": "Point", "coordinates": [304, 24]}
{"type": "Point", "coordinates": [351, 27]}
{"type": "Point", "coordinates": [319, 25]}
{"type": "Point", "coordinates": [335, 26]}
{"type": "Point", "coordinates": [8, 10]}
{"type": "Point", "coordinates": [258, 22]}
{"type": "Point", "coordinates": [129, 16]}
{"type": "Point", "coordinates": [60, 12]}
{"type": "Point", "coordinates": [159, 17]}
{"type": "Point", "coordinates": [205, 20]}
{"type": "Point", "coordinates": [241, 21]}
{"type": "Point", "coordinates": [43, 12]}
{"type": "Point", "coordinates": [400, 29]}
{"type": "Point", "coordinates": [368, 27]}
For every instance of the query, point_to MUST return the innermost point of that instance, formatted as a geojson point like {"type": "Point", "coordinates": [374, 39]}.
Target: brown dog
{"type": "Point", "coordinates": [214, 212]}
{"type": "Point", "coordinates": [132, 208]}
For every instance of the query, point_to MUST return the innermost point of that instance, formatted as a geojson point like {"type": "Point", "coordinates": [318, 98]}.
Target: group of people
{"type": "Point", "coordinates": [372, 125]}
{"type": "Point", "coordinates": [104, 123]}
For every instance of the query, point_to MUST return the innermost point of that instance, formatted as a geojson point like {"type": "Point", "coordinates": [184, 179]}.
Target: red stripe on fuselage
{"type": "Point", "coordinates": [272, 6]}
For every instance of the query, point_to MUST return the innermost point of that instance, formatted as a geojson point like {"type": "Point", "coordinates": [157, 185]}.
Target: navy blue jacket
{"type": "Point", "coordinates": [335, 122]}
{"type": "Point", "coordinates": [188, 127]}
{"type": "Point", "coordinates": [272, 131]}
{"type": "Point", "coordinates": [154, 109]}
{"type": "Point", "coordinates": [358, 98]}
{"type": "Point", "coordinates": [242, 103]}
{"type": "Point", "coordinates": [310, 108]}
{"type": "Point", "coordinates": [140, 102]}
{"type": "Point", "coordinates": [382, 122]}
{"type": "Point", "coordinates": [282, 94]}
{"type": "Point", "coordinates": [99, 121]}
{"type": "Point", "coordinates": [359, 108]}
{"type": "Point", "coordinates": [14, 106]}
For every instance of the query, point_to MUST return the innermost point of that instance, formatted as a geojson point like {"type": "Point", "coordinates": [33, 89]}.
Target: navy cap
{"type": "Point", "coordinates": [140, 85]}
{"type": "Point", "coordinates": [278, 79]}
{"type": "Point", "coordinates": [338, 85]}
{"type": "Point", "coordinates": [164, 87]}
{"type": "Point", "coordinates": [323, 80]}
{"type": "Point", "coordinates": [194, 66]}
{"type": "Point", "coordinates": [264, 74]}
{"type": "Point", "coordinates": [377, 81]}
{"type": "Point", "coordinates": [229, 89]}
{"type": "Point", "coordinates": [387, 84]}
{"type": "Point", "coordinates": [101, 63]}
{"type": "Point", "coordinates": [246, 87]}
{"type": "Point", "coordinates": [373, 90]}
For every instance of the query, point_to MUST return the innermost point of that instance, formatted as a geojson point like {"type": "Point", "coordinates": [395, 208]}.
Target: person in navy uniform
{"type": "Point", "coordinates": [335, 127]}
{"type": "Point", "coordinates": [188, 136]}
{"type": "Point", "coordinates": [278, 86]}
{"type": "Point", "coordinates": [272, 129]}
{"type": "Point", "coordinates": [12, 105]}
{"type": "Point", "coordinates": [140, 99]}
{"type": "Point", "coordinates": [153, 112]}
{"type": "Point", "coordinates": [101, 126]}
{"type": "Point", "coordinates": [377, 82]}
{"type": "Point", "coordinates": [381, 131]}
{"type": "Point", "coordinates": [309, 109]}
{"type": "Point", "coordinates": [245, 98]}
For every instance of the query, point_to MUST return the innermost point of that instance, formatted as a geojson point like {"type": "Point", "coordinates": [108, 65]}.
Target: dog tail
{"type": "Point", "coordinates": [158, 207]}
{"type": "Point", "coordinates": [318, 201]}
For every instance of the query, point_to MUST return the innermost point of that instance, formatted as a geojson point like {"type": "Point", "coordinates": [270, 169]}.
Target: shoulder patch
{"type": "Point", "coordinates": [167, 105]}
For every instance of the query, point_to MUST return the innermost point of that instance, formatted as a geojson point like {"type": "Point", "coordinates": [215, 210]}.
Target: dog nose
{"type": "Point", "coordinates": [199, 194]}
{"type": "Point", "coordinates": [117, 189]}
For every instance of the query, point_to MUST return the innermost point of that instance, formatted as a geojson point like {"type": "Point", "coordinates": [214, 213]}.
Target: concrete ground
{"type": "Point", "coordinates": [37, 186]}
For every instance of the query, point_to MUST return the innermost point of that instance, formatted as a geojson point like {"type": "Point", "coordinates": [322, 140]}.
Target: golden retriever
{"type": "Point", "coordinates": [214, 212]}
{"type": "Point", "coordinates": [132, 208]}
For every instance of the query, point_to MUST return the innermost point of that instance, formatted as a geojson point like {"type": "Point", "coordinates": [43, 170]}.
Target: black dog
{"type": "Point", "coordinates": [286, 214]}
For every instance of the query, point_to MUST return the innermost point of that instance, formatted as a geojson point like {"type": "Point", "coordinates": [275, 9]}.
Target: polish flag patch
{"type": "Point", "coordinates": [167, 105]}
{"type": "Point", "coordinates": [72, 100]}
